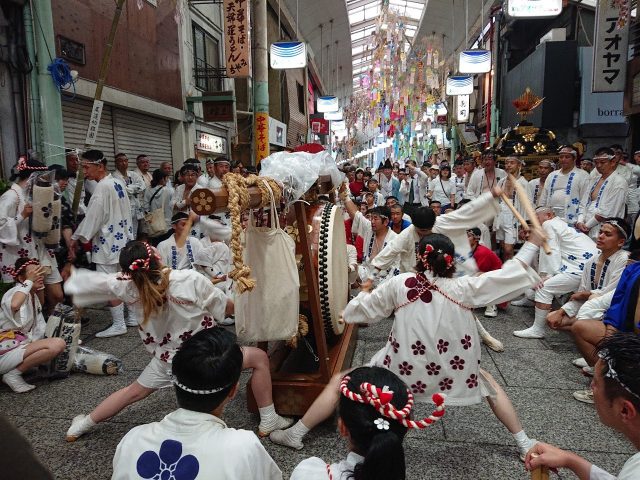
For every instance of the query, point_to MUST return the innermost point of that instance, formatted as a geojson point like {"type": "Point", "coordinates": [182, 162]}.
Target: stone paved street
{"type": "Point", "coordinates": [469, 443]}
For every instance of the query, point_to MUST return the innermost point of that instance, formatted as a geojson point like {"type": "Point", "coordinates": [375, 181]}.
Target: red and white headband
{"type": "Point", "coordinates": [16, 272]}
{"type": "Point", "coordinates": [143, 263]}
{"type": "Point", "coordinates": [380, 399]}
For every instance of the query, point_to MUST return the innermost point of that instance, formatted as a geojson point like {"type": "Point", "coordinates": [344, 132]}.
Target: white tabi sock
{"type": "Point", "coordinates": [270, 420]}
{"type": "Point", "coordinates": [291, 437]}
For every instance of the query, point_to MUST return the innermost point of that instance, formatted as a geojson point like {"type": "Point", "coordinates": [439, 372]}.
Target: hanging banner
{"type": "Point", "coordinates": [536, 9]}
{"type": "Point", "coordinates": [236, 38]}
{"type": "Point", "coordinates": [475, 61]}
{"type": "Point", "coordinates": [611, 45]}
{"type": "Point", "coordinates": [94, 122]}
{"type": "Point", "coordinates": [285, 55]}
{"type": "Point", "coordinates": [262, 136]}
{"type": "Point", "coordinates": [462, 108]}
{"type": "Point", "coordinates": [460, 85]}
{"type": "Point", "coordinates": [327, 104]}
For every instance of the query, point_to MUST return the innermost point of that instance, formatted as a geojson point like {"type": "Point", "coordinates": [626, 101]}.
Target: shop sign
{"type": "Point", "coordinates": [334, 115]}
{"type": "Point", "coordinates": [236, 38]}
{"type": "Point", "coordinates": [327, 104]}
{"type": "Point", "coordinates": [218, 109]}
{"type": "Point", "coordinates": [211, 143]}
{"type": "Point", "coordinates": [462, 110]}
{"type": "Point", "coordinates": [475, 61]}
{"type": "Point", "coordinates": [262, 136]}
{"type": "Point", "coordinates": [611, 45]}
{"type": "Point", "coordinates": [320, 126]}
{"type": "Point", "coordinates": [285, 55]}
{"type": "Point", "coordinates": [277, 132]}
{"type": "Point", "coordinates": [460, 85]}
{"type": "Point", "coordinates": [535, 9]}
{"type": "Point", "coordinates": [94, 122]}
{"type": "Point", "coordinates": [597, 107]}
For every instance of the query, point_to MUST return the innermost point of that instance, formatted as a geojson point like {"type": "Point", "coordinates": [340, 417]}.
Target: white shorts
{"type": "Point", "coordinates": [156, 375]}
{"type": "Point", "coordinates": [12, 359]}
{"type": "Point", "coordinates": [507, 234]}
{"type": "Point", "coordinates": [53, 277]}
{"type": "Point", "coordinates": [557, 285]}
{"type": "Point", "coordinates": [110, 268]}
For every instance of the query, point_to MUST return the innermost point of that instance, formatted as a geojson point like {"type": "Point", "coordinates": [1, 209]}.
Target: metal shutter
{"type": "Point", "coordinates": [136, 134]}
{"type": "Point", "coordinates": [75, 120]}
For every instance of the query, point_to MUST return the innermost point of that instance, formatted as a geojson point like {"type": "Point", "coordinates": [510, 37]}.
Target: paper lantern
{"type": "Point", "coordinates": [475, 61]}
{"type": "Point", "coordinates": [285, 55]}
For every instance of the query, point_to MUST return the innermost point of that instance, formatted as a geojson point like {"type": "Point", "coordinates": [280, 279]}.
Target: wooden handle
{"type": "Point", "coordinates": [515, 212]}
{"type": "Point", "coordinates": [531, 212]}
{"type": "Point", "coordinates": [540, 473]}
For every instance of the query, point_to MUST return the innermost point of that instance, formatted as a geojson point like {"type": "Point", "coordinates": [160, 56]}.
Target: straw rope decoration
{"type": "Point", "coordinates": [239, 200]}
{"type": "Point", "coordinates": [380, 399]}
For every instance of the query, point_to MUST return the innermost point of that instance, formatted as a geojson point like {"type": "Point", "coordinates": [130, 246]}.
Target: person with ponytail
{"type": "Point", "coordinates": [374, 414]}
{"type": "Point", "coordinates": [174, 305]}
{"type": "Point", "coordinates": [434, 343]}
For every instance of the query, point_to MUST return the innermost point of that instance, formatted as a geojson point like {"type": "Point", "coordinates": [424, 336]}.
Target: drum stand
{"type": "Point", "coordinates": [293, 393]}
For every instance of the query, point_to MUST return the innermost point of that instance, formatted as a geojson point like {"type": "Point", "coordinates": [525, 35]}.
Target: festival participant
{"type": "Point", "coordinates": [73, 161]}
{"type": "Point", "coordinates": [458, 179]}
{"type": "Point", "coordinates": [374, 429]}
{"type": "Point", "coordinates": [484, 179]}
{"type": "Point", "coordinates": [16, 237]}
{"type": "Point", "coordinates": [560, 271]}
{"type": "Point", "coordinates": [108, 226]}
{"type": "Point", "coordinates": [174, 305]}
{"type": "Point", "coordinates": [158, 195]}
{"type": "Point", "coordinates": [389, 185]}
{"type": "Point", "coordinates": [606, 196]}
{"type": "Point", "coordinates": [536, 185]}
{"type": "Point", "coordinates": [486, 260]}
{"type": "Point", "coordinates": [433, 342]}
{"type": "Point", "coordinates": [179, 258]}
{"type": "Point", "coordinates": [631, 173]}
{"type": "Point", "coordinates": [181, 200]}
{"type": "Point", "coordinates": [442, 189]}
{"type": "Point", "coordinates": [505, 225]}
{"type": "Point", "coordinates": [206, 374]}
{"type": "Point", "coordinates": [372, 188]}
{"type": "Point", "coordinates": [565, 189]}
{"type": "Point", "coordinates": [22, 325]}
{"type": "Point", "coordinates": [616, 388]}
{"type": "Point", "coordinates": [167, 168]}
{"type": "Point", "coordinates": [469, 166]}
{"type": "Point", "coordinates": [216, 168]}
{"type": "Point", "coordinates": [586, 164]}
{"type": "Point", "coordinates": [143, 164]}
{"type": "Point", "coordinates": [436, 206]}
{"type": "Point", "coordinates": [600, 274]}
{"type": "Point", "coordinates": [135, 186]}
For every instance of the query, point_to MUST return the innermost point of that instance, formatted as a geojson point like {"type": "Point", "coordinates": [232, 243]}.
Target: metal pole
{"type": "Point", "coordinates": [260, 70]}
{"type": "Point", "coordinates": [50, 105]}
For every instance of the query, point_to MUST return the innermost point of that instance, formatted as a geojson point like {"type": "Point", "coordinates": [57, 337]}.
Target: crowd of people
{"type": "Point", "coordinates": [435, 242]}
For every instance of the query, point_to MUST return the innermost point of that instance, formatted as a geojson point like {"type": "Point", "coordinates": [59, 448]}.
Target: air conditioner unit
{"type": "Point", "coordinates": [555, 35]}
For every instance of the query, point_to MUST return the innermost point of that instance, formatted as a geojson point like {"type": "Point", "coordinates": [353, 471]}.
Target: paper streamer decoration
{"type": "Point", "coordinates": [42, 210]}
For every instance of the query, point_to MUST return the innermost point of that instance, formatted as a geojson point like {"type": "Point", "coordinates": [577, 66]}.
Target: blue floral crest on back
{"type": "Point", "coordinates": [168, 463]}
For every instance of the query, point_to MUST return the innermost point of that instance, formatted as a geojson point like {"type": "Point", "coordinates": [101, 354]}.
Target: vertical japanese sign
{"type": "Point", "coordinates": [262, 136]}
{"type": "Point", "coordinates": [236, 38]}
{"type": "Point", "coordinates": [94, 122]}
{"type": "Point", "coordinates": [611, 45]}
{"type": "Point", "coordinates": [462, 111]}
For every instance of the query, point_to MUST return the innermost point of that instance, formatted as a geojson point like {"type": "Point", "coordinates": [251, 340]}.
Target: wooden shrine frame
{"type": "Point", "coordinates": [293, 393]}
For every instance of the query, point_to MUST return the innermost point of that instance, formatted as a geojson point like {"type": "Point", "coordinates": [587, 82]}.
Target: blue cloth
{"type": "Point", "coordinates": [395, 188]}
{"type": "Point", "coordinates": [405, 224]}
{"type": "Point", "coordinates": [616, 315]}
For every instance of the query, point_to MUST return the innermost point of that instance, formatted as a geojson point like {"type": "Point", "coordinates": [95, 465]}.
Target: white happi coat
{"type": "Point", "coordinates": [362, 226]}
{"type": "Point", "coordinates": [107, 224]}
{"type": "Point", "coordinates": [193, 304]}
{"type": "Point", "coordinates": [434, 345]}
{"type": "Point", "coordinates": [478, 183]}
{"type": "Point", "coordinates": [535, 191]}
{"type": "Point", "coordinates": [179, 258]}
{"type": "Point", "coordinates": [631, 173]}
{"type": "Point", "coordinates": [135, 187]}
{"type": "Point", "coordinates": [459, 187]}
{"type": "Point", "coordinates": [315, 468]}
{"type": "Point", "coordinates": [28, 319]}
{"type": "Point", "coordinates": [564, 193]}
{"type": "Point", "coordinates": [188, 444]}
{"type": "Point", "coordinates": [570, 250]}
{"type": "Point", "coordinates": [505, 217]}
{"type": "Point", "coordinates": [454, 225]}
{"type": "Point", "coordinates": [610, 201]}
{"type": "Point", "coordinates": [420, 185]}
{"type": "Point", "coordinates": [15, 235]}
{"type": "Point", "coordinates": [596, 281]}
